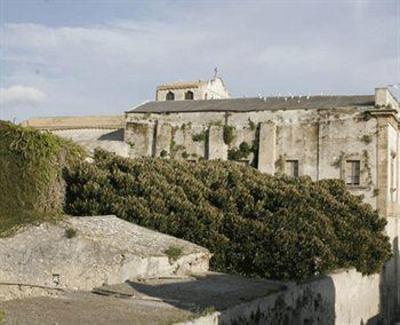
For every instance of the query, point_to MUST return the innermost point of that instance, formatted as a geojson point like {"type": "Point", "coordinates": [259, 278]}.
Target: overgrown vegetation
{"type": "Point", "coordinates": [31, 182]}
{"type": "Point", "coordinates": [254, 224]}
{"type": "Point", "coordinates": [280, 164]}
{"type": "Point", "coordinates": [163, 153]}
{"type": "Point", "coordinates": [175, 148]}
{"type": "Point", "coordinates": [199, 137]}
{"type": "Point", "coordinates": [366, 138]}
{"type": "Point", "coordinates": [70, 232]}
{"type": "Point", "coordinates": [240, 153]}
{"type": "Point", "coordinates": [339, 161]}
{"type": "Point", "coordinates": [252, 125]}
{"type": "Point", "coordinates": [229, 134]}
{"type": "Point", "coordinates": [173, 253]}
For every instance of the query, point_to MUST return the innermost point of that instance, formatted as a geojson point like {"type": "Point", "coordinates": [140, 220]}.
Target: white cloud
{"type": "Point", "coordinates": [259, 47]}
{"type": "Point", "coordinates": [19, 96]}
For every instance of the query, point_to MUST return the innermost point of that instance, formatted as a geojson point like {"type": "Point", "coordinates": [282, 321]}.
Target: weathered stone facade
{"type": "Point", "coordinates": [354, 138]}
{"type": "Point", "coordinates": [320, 140]}
{"type": "Point", "coordinates": [91, 132]}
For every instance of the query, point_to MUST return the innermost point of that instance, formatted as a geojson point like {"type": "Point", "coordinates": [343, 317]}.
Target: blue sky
{"type": "Point", "coordinates": [85, 57]}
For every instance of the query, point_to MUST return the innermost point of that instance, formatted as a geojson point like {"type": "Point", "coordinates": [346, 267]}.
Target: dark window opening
{"type": "Point", "coordinates": [292, 168]}
{"type": "Point", "coordinates": [189, 95]}
{"type": "Point", "coordinates": [170, 96]}
{"type": "Point", "coordinates": [353, 172]}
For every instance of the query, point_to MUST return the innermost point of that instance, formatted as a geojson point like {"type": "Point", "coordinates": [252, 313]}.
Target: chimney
{"type": "Point", "coordinates": [382, 97]}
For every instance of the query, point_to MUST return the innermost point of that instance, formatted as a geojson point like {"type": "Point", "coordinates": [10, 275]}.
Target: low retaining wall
{"type": "Point", "coordinates": [342, 298]}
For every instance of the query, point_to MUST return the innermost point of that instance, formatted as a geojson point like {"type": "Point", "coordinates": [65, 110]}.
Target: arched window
{"type": "Point", "coordinates": [170, 96]}
{"type": "Point", "coordinates": [205, 96]}
{"type": "Point", "coordinates": [189, 95]}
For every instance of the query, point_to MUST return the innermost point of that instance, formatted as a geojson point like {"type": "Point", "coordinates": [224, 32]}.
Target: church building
{"type": "Point", "coordinates": [192, 90]}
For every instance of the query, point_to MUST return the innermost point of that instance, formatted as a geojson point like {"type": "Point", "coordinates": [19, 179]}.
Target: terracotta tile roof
{"type": "Point", "coordinates": [254, 104]}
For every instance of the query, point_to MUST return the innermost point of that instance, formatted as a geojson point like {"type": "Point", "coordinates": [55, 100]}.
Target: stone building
{"type": "Point", "coordinates": [192, 90]}
{"type": "Point", "coordinates": [106, 132]}
{"type": "Point", "coordinates": [354, 138]}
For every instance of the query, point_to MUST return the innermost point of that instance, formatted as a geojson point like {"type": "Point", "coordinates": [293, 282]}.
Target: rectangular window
{"type": "Point", "coordinates": [353, 172]}
{"type": "Point", "coordinates": [292, 168]}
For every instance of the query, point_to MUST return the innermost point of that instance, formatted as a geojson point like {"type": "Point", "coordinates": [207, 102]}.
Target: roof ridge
{"type": "Point", "coordinates": [257, 104]}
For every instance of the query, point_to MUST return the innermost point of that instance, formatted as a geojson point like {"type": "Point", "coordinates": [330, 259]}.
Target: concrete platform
{"type": "Point", "coordinates": [185, 300]}
{"type": "Point", "coordinates": [82, 253]}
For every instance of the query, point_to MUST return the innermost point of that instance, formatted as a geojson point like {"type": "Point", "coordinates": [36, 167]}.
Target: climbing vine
{"type": "Point", "coordinates": [229, 134]}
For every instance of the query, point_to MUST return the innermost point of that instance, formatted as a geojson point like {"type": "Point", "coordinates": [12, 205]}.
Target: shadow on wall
{"type": "Point", "coordinates": [117, 135]}
{"type": "Point", "coordinates": [247, 301]}
{"type": "Point", "coordinates": [389, 292]}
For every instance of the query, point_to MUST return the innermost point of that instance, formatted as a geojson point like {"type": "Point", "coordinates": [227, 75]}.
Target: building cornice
{"type": "Point", "coordinates": [388, 114]}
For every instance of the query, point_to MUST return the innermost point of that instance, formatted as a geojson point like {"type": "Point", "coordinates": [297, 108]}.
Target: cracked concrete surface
{"type": "Point", "coordinates": [104, 250]}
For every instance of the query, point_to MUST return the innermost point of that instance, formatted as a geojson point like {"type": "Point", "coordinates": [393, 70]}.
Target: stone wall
{"type": "Point", "coordinates": [320, 140]}
{"type": "Point", "coordinates": [71, 122]}
{"type": "Point", "coordinates": [91, 138]}
{"type": "Point", "coordinates": [342, 298]}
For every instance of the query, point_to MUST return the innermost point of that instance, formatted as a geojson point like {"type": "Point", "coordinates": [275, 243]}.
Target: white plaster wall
{"type": "Point", "coordinates": [215, 89]}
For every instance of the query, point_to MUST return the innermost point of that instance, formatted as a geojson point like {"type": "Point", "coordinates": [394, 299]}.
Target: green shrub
{"type": "Point", "coordinates": [31, 182]}
{"type": "Point", "coordinates": [242, 152]}
{"type": "Point", "coordinates": [367, 138]}
{"type": "Point", "coordinates": [70, 232]}
{"type": "Point", "coordinates": [173, 253]}
{"type": "Point", "coordinates": [254, 224]}
{"type": "Point", "coordinates": [229, 134]}
{"type": "Point", "coordinates": [199, 137]}
{"type": "Point", "coordinates": [252, 125]}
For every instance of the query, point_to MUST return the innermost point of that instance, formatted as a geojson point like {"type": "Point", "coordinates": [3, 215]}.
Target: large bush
{"type": "Point", "coordinates": [255, 224]}
{"type": "Point", "coordinates": [31, 180]}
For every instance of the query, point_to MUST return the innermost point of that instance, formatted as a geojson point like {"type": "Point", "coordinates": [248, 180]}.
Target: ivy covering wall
{"type": "Point", "coordinates": [31, 180]}
{"type": "Point", "coordinates": [254, 224]}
